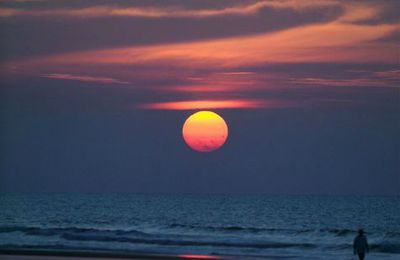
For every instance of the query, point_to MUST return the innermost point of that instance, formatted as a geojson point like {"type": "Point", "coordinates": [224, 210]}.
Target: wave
{"type": "Point", "coordinates": [82, 236]}
{"type": "Point", "coordinates": [337, 232]}
{"type": "Point", "coordinates": [390, 243]}
{"type": "Point", "coordinates": [392, 234]}
{"type": "Point", "coordinates": [138, 237]}
{"type": "Point", "coordinates": [223, 228]}
{"type": "Point", "coordinates": [40, 231]}
{"type": "Point", "coordinates": [383, 247]}
{"type": "Point", "coordinates": [393, 248]}
{"type": "Point", "coordinates": [234, 228]}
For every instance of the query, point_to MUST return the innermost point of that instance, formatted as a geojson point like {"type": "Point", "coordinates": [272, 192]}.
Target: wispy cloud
{"type": "Point", "coordinates": [354, 82]}
{"type": "Point", "coordinates": [83, 78]}
{"type": "Point", "coordinates": [389, 74]}
{"type": "Point", "coordinates": [160, 12]}
{"type": "Point", "coordinates": [213, 73]}
{"type": "Point", "coordinates": [224, 82]}
{"type": "Point", "coordinates": [331, 42]}
{"type": "Point", "coordinates": [215, 104]}
{"type": "Point", "coordinates": [359, 11]}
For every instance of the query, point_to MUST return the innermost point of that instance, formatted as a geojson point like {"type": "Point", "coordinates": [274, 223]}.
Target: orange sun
{"type": "Point", "coordinates": [205, 131]}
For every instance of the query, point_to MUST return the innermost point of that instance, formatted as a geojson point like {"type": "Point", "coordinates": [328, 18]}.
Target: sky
{"type": "Point", "coordinates": [94, 95]}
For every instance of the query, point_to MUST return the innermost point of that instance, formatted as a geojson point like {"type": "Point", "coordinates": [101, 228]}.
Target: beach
{"type": "Point", "coordinates": [25, 257]}
{"type": "Point", "coordinates": [38, 257]}
{"type": "Point", "coordinates": [138, 257]}
{"type": "Point", "coordinates": [68, 255]}
{"type": "Point", "coordinates": [138, 226]}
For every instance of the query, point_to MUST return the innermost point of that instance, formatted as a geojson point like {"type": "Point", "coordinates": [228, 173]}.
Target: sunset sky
{"type": "Point", "coordinates": [94, 95]}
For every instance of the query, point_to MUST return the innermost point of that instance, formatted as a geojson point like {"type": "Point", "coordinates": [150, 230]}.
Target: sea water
{"type": "Point", "coordinates": [271, 227]}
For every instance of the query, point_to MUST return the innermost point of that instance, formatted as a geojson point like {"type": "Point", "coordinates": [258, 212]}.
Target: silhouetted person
{"type": "Point", "coordinates": [360, 245]}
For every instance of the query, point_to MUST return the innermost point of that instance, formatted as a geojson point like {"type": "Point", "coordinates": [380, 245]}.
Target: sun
{"type": "Point", "coordinates": [205, 131]}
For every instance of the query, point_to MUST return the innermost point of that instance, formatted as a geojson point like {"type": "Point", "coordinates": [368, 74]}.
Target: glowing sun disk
{"type": "Point", "coordinates": [205, 131]}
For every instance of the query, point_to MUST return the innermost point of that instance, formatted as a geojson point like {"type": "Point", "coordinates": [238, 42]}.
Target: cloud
{"type": "Point", "coordinates": [215, 104]}
{"type": "Point", "coordinates": [355, 82]}
{"type": "Point", "coordinates": [352, 78]}
{"type": "Point", "coordinates": [330, 42]}
{"type": "Point", "coordinates": [358, 11]}
{"type": "Point", "coordinates": [389, 74]}
{"type": "Point", "coordinates": [226, 81]}
{"type": "Point", "coordinates": [161, 12]}
{"type": "Point", "coordinates": [95, 79]}
{"type": "Point", "coordinates": [334, 41]}
{"type": "Point", "coordinates": [8, 12]}
{"type": "Point", "coordinates": [212, 74]}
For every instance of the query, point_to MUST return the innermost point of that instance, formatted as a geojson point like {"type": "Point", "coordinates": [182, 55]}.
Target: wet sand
{"type": "Point", "coordinates": [136, 257]}
{"type": "Point", "coordinates": [85, 255]}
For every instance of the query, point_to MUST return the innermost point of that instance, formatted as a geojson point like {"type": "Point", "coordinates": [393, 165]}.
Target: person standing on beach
{"type": "Point", "coordinates": [360, 245]}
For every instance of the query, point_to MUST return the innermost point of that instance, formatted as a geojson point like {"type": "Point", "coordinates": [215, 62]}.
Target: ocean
{"type": "Point", "coordinates": [259, 226]}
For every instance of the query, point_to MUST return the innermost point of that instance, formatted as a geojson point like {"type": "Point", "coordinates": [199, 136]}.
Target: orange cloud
{"type": "Point", "coordinates": [7, 12]}
{"type": "Point", "coordinates": [214, 104]}
{"type": "Point", "coordinates": [358, 11]}
{"type": "Point", "coordinates": [160, 12]}
{"type": "Point", "coordinates": [337, 41]}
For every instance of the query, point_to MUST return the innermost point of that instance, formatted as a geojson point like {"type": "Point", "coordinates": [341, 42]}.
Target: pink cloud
{"type": "Point", "coordinates": [330, 42]}
{"type": "Point", "coordinates": [214, 104]}
{"type": "Point", "coordinates": [389, 74]}
{"type": "Point", "coordinates": [215, 68]}
{"type": "Point", "coordinates": [177, 11]}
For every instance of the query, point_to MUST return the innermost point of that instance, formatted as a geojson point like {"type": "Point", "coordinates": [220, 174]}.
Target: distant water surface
{"type": "Point", "coordinates": [298, 227]}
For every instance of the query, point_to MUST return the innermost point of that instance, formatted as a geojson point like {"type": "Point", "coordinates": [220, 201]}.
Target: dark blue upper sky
{"type": "Point", "coordinates": [88, 95]}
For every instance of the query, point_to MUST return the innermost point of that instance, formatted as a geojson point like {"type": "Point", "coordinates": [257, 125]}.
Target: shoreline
{"type": "Point", "coordinates": [22, 254]}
